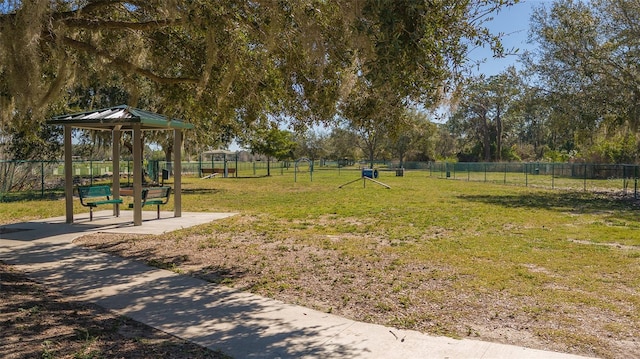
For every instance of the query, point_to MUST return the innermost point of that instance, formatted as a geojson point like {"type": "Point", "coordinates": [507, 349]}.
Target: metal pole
{"type": "Point", "coordinates": [42, 179]}
{"type": "Point", "coordinates": [505, 173]}
{"type": "Point", "coordinates": [584, 186]}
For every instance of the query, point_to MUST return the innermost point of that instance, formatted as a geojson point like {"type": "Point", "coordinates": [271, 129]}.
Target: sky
{"type": "Point", "coordinates": [513, 22]}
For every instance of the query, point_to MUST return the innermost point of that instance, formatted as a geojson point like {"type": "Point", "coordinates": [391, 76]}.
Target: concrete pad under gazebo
{"type": "Point", "coordinates": [118, 119]}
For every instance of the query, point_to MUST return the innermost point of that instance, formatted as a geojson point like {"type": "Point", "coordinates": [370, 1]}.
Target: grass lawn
{"type": "Point", "coordinates": [546, 269]}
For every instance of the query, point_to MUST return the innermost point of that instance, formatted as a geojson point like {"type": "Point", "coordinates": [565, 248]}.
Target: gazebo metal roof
{"type": "Point", "coordinates": [123, 115]}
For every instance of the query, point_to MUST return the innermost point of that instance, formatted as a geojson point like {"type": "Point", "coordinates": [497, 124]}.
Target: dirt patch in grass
{"type": "Point", "coordinates": [38, 322]}
{"type": "Point", "coordinates": [370, 282]}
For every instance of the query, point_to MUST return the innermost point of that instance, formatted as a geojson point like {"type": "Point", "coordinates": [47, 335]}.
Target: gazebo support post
{"type": "Point", "coordinates": [137, 175]}
{"type": "Point", "coordinates": [115, 159]}
{"type": "Point", "coordinates": [68, 174]}
{"type": "Point", "coordinates": [177, 173]}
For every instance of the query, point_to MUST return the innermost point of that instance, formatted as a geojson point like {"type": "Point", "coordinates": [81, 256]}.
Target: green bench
{"type": "Point", "coordinates": [93, 196]}
{"type": "Point", "coordinates": [154, 196]}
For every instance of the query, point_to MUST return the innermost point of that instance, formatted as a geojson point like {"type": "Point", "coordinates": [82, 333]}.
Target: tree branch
{"type": "Point", "coordinates": [126, 65]}
{"type": "Point", "coordinates": [90, 7]}
{"type": "Point", "coordinates": [101, 24]}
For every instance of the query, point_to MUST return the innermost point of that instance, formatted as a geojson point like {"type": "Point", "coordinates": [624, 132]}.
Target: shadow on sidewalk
{"type": "Point", "coordinates": [239, 324]}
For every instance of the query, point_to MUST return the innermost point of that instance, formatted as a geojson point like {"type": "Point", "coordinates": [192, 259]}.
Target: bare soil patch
{"type": "Point", "coordinates": [38, 322]}
{"type": "Point", "coordinates": [379, 288]}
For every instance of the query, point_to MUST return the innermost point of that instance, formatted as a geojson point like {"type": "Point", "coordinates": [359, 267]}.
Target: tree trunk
{"type": "Point", "coordinates": [499, 131]}
{"type": "Point", "coordinates": [168, 152]}
{"type": "Point", "coordinates": [486, 142]}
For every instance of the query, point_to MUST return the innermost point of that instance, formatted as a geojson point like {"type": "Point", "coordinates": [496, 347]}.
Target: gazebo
{"type": "Point", "coordinates": [117, 119]}
{"type": "Point", "coordinates": [225, 170]}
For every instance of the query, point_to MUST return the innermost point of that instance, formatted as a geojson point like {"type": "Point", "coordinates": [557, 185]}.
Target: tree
{"type": "Point", "coordinates": [342, 145]}
{"type": "Point", "coordinates": [587, 62]}
{"type": "Point", "coordinates": [446, 143]}
{"type": "Point", "coordinates": [273, 143]}
{"type": "Point", "coordinates": [225, 65]}
{"type": "Point", "coordinates": [484, 107]}
{"type": "Point", "coordinates": [532, 127]}
{"type": "Point", "coordinates": [311, 144]}
{"type": "Point", "coordinates": [373, 116]}
{"type": "Point", "coordinates": [415, 139]}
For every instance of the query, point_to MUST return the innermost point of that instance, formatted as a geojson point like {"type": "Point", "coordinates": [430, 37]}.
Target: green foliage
{"type": "Point", "coordinates": [273, 143]}
{"type": "Point", "coordinates": [311, 144]}
{"type": "Point", "coordinates": [415, 139]}
{"type": "Point", "coordinates": [485, 114]}
{"type": "Point", "coordinates": [586, 63]}
{"type": "Point", "coordinates": [615, 150]}
{"type": "Point", "coordinates": [226, 65]}
{"type": "Point", "coordinates": [26, 142]}
{"type": "Point", "coordinates": [558, 156]}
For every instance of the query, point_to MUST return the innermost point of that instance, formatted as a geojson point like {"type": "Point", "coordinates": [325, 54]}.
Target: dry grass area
{"type": "Point", "coordinates": [375, 285]}
{"type": "Point", "coordinates": [544, 269]}
{"type": "Point", "coordinates": [38, 322]}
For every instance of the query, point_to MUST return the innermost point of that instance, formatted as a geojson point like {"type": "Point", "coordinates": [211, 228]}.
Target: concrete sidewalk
{"type": "Point", "coordinates": [239, 324]}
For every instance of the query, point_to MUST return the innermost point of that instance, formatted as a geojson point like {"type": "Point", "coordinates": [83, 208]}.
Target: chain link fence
{"type": "Point", "coordinates": [39, 179]}
{"type": "Point", "coordinates": [616, 179]}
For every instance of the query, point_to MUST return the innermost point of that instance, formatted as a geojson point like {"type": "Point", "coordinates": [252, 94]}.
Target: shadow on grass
{"type": "Point", "coordinates": [48, 195]}
{"type": "Point", "coordinates": [586, 203]}
{"type": "Point", "coordinates": [199, 190]}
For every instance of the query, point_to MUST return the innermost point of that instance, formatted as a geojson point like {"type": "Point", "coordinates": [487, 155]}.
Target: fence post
{"type": "Point", "coordinates": [526, 175]}
{"type": "Point", "coordinates": [635, 186]}
{"type": "Point", "coordinates": [584, 189]}
{"type": "Point", "coordinates": [505, 173]}
{"type": "Point", "coordinates": [41, 179]}
{"type": "Point", "coordinates": [553, 175]}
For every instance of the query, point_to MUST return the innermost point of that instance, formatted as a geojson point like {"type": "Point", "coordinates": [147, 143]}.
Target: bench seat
{"type": "Point", "coordinates": [155, 196]}
{"type": "Point", "coordinates": [94, 196]}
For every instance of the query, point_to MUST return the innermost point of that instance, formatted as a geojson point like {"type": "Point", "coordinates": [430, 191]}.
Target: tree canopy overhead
{"type": "Point", "coordinates": [228, 64]}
